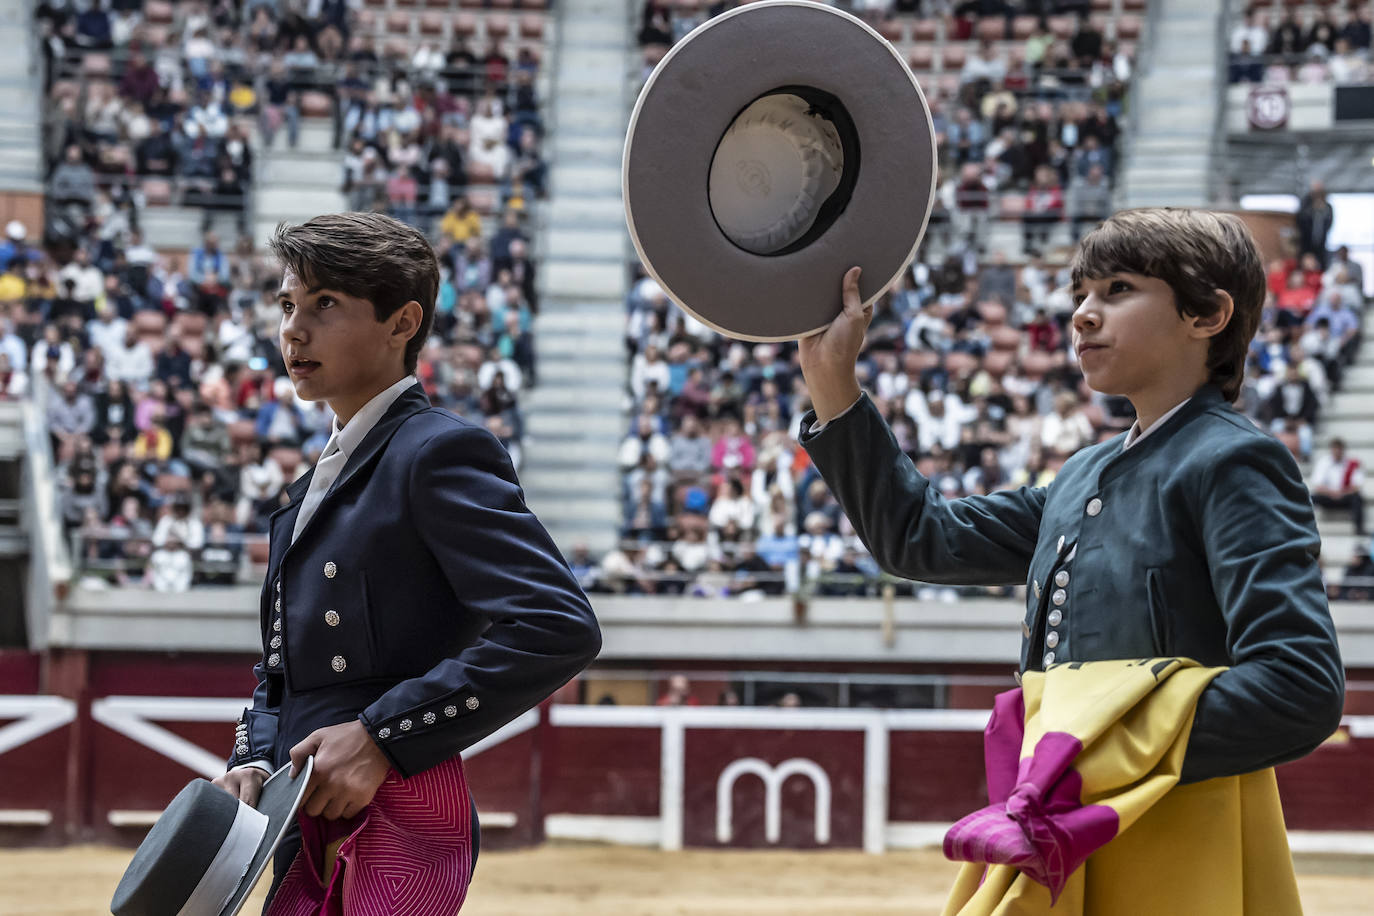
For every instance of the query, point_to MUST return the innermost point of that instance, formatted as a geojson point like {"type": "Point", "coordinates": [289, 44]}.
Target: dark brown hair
{"type": "Point", "coordinates": [367, 255]}
{"type": "Point", "coordinates": [1195, 252]}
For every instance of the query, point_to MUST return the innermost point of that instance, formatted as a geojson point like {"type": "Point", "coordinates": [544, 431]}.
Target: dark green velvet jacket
{"type": "Point", "coordinates": [1198, 541]}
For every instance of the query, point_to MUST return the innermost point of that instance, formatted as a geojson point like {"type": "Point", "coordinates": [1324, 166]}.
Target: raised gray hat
{"type": "Point", "coordinates": [773, 148]}
{"type": "Point", "coordinates": [208, 849]}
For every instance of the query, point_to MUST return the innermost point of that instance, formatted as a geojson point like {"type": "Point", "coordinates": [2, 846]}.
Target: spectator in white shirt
{"type": "Point", "coordinates": [170, 568]}
{"type": "Point", "coordinates": [52, 354]}
{"type": "Point", "coordinates": [1337, 483]}
{"type": "Point", "coordinates": [647, 367]}
{"type": "Point", "coordinates": [132, 363]}
{"type": "Point", "coordinates": [644, 438]}
{"type": "Point", "coordinates": [179, 525]}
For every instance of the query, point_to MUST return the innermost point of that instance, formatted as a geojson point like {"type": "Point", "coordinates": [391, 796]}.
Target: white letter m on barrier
{"type": "Point", "coordinates": [773, 778]}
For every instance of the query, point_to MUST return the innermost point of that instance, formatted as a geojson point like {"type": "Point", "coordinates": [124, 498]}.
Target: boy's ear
{"type": "Point", "coordinates": [1204, 326]}
{"type": "Point", "coordinates": [406, 322]}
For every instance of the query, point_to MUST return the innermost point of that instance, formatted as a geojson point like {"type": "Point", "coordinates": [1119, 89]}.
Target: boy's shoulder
{"type": "Point", "coordinates": [428, 422]}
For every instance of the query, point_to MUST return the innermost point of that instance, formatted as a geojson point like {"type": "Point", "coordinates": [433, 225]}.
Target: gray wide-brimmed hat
{"type": "Point", "coordinates": [208, 849]}
{"type": "Point", "coordinates": [773, 148]}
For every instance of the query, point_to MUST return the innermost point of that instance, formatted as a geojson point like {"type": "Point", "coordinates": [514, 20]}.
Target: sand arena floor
{"type": "Point", "coordinates": [584, 880]}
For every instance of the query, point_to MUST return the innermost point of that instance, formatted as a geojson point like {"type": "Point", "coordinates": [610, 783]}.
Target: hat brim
{"type": "Point", "coordinates": [280, 799]}
{"type": "Point", "coordinates": [686, 106]}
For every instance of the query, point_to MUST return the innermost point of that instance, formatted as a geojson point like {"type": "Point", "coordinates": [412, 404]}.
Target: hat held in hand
{"type": "Point", "coordinates": [772, 149]}
{"type": "Point", "coordinates": [208, 849]}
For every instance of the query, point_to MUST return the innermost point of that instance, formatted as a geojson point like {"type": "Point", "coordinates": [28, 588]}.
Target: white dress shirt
{"type": "Point", "coordinates": [1136, 433]}
{"type": "Point", "coordinates": [342, 443]}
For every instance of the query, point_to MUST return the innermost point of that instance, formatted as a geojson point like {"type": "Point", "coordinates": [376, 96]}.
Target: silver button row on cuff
{"type": "Point", "coordinates": [429, 718]}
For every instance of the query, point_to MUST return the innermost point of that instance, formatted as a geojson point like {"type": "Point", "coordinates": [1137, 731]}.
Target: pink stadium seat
{"type": "Point", "coordinates": [954, 57]}
{"type": "Point", "coordinates": [498, 27]}
{"type": "Point", "coordinates": [157, 191]}
{"type": "Point", "coordinates": [534, 4]}
{"type": "Point", "coordinates": [1023, 26]}
{"type": "Point", "coordinates": [990, 28]}
{"type": "Point", "coordinates": [471, 4]}
{"type": "Point", "coordinates": [149, 322]}
{"type": "Point", "coordinates": [949, 84]}
{"type": "Point", "coordinates": [1128, 27]}
{"type": "Point", "coordinates": [398, 23]}
{"type": "Point", "coordinates": [922, 58]}
{"type": "Point", "coordinates": [1102, 5]}
{"type": "Point", "coordinates": [994, 314]}
{"type": "Point", "coordinates": [998, 362]}
{"type": "Point", "coordinates": [892, 29]}
{"type": "Point", "coordinates": [437, 4]}
{"type": "Point", "coordinates": [94, 64]}
{"type": "Point", "coordinates": [184, 323]}
{"type": "Point", "coordinates": [1005, 338]}
{"type": "Point", "coordinates": [502, 4]}
{"type": "Point", "coordinates": [1135, 5]}
{"type": "Point", "coordinates": [315, 104]}
{"type": "Point", "coordinates": [172, 483]}
{"type": "Point", "coordinates": [1011, 206]}
{"type": "Point", "coordinates": [1063, 26]}
{"type": "Point", "coordinates": [960, 364]}
{"type": "Point", "coordinates": [406, 2]}
{"type": "Point", "coordinates": [924, 30]}
{"type": "Point", "coordinates": [532, 26]}
{"type": "Point", "coordinates": [484, 200]}
{"type": "Point", "coordinates": [157, 11]}
{"type": "Point", "coordinates": [465, 25]}
{"type": "Point", "coordinates": [480, 173]}
{"type": "Point", "coordinates": [396, 47]}
{"type": "Point", "coordinates": [241, 431]}
{"type": "Point", "coordinates": [193, 344]}
{"type": "Point", "coordinates": [259, 551]}
{"type": "Point", "coordinates": [432, 23]}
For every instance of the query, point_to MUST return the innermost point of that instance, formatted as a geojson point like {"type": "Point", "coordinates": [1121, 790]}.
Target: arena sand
{"type": "Point", "coordinates": [584, 880]}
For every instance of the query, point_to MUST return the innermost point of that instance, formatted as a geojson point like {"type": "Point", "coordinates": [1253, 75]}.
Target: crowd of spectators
{"type": "Point", "coordinates": [1319, 44]}
{"type": "Point", "coordinates": [969, 360]}
{"type": "Point", "coordinates": [173, 424]}
{"type": "Point", "coordinates": [166, 397]}
{"type": "Point", "coordinates": [145, 111]}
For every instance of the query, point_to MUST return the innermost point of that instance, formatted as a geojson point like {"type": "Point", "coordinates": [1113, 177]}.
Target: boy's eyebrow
{"type": "Point", "coordinates": [286, 294]}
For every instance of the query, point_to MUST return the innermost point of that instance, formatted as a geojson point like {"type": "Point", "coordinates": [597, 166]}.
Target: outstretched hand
{"type": "Point", "coordinates": [828, 358]}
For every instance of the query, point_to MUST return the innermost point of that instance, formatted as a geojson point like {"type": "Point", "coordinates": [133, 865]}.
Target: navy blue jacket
{"type": "Point", "coordinates": [422, 598]}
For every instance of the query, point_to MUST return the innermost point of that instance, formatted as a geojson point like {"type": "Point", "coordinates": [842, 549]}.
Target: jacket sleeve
{"type": "Point", "coordinates": [908, 526]}
{"type": "Point", "coordinates": [1286, 687]}
{"type": "Point", "coordinates": [469, 511]}
{"type": "Point", "coordinates": [255, 735]}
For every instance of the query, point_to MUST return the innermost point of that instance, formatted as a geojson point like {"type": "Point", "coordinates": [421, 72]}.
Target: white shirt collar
{"type": "Point", "coordinates": [1136, 433]}
{"type": "Point", "coordinates": [351, 436]}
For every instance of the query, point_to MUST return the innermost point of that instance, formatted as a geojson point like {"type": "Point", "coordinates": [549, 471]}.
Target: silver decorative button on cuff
{"type": "Point", "coordinates": [471, 703]}
{"type": "Point", "coordinates": [338, 663]}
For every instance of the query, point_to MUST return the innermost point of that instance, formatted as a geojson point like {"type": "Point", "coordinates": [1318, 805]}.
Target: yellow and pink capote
{"type": "Point", "coordinates": [1087, 816]}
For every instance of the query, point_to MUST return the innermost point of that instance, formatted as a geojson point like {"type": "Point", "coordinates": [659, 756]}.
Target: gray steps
{"type": "Point", "coordinates": [582, 278]}
{"type": "Point", "coordinates": [601, 244]}
{"type": "Point", "coordinates": [574, 426]}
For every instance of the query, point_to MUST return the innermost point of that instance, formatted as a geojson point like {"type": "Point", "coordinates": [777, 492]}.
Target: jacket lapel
{"type": "Point", "coordinates": [410, 402]}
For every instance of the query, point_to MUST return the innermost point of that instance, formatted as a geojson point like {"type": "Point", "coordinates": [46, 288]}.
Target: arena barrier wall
{"type": "Point", "coordinates": [102, 765]}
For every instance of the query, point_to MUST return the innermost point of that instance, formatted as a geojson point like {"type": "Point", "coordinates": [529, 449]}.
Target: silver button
{"type": "Point", "coordinates": [1049, 659]}
{"type": "Point", "coordinates": [1036, 583]}
{"type": "Point", "coordinates": [1094, 506]}
{"type": "Point", "coordinates": [404, 725]}
{"type": "Point", "coordinates": [1059, 596]}
{"type": "Point", "coordinates": [278, 586]}
{"type": "Point", "coordinates": [276, 625]}
{"type": "Point", "coordinates": [331, 618]}
{"type": "Point", "coordinates": [338, 663]}
{"type": "Point", "coordinates": [471, 703]}
{"type": "Point", "coordinates": [383, 733]}
{"type": "Point", "coordinates": [278, 606]}
{"type": "Point", "coordinates": [1052, 639]}
{"type": "Point", "coordinates": [1061, 578]}
{"type": "Point", "coordinates": [241, 748]}
{"type": "Point", "coordinates": [429, 718]}
{"type": "Point", "coordinates": [450, 711]}
{"type": "Point", "coordinates": [276, 642]}
{"type": "Point", "coordinates": [1055, 617]}
{"type": "Point", "coordinates": [330, 570]}
{"type": "Point", "coordinates": [273, 660]}
{"type": "Point", "coordinates": [1060, 546]}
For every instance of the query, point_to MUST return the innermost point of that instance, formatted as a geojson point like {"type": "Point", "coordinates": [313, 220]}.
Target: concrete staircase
{"type": "Point", "coordinates": [297, 184]}
{"type": "Point", "coordinates": [575, 417]}
{"type": "Point", "coordinates": [21, 166]}
{"type": "Point", "coordinates": [1350, 416]}
{"type": "Point", "coordinates": [1176, 100]}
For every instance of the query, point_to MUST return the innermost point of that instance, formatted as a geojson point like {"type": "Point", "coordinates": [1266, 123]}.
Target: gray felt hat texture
{"type": "Point", "coordinates": [773, 148]}
{"type": "Point", "coordinates": [208, 849]}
